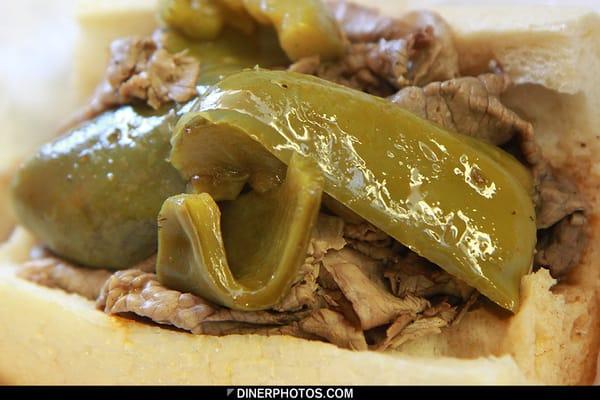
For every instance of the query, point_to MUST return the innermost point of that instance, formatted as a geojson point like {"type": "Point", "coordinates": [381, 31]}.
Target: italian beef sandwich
{"type": "Point", "coordinates": [312, 192]}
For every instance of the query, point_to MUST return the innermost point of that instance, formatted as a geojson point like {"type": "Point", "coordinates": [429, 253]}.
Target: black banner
{"type": "Point", "coordinates": [301, 392]}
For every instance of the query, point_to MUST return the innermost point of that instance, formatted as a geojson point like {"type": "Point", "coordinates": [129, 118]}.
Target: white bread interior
{"type": "Point", "coordinates": [57, 338]}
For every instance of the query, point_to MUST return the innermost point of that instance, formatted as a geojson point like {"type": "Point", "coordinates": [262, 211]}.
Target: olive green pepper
{"type": "Point", "coordinates": [246, 255]}
{"type": "Point", "coordinates": [92, 196]}
{"type": "Point", "coordinates": [205, 19]}
{"type": "Point", "coordinates": [197, 19]}
{"type": "Point", "coordinates": [305, 27]}
{"type": "Point", "coordinates": [456, 201]}
{"type": "Point", "coordinates": [231, 49]}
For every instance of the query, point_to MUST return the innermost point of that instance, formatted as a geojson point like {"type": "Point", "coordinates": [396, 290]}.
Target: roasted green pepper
{"type": "Point", "coordinates": [304, 27]}
{"type": "Point", "coordinates": [231, 48]}
{"type": "Point", "coordinates": [246, 255]}
{"type": "Point", "coordinates": [456, 201]}
{"type": "Point", "coordinates": [197, 19]}
{"type": "Point", "coordinates": [92, 196]}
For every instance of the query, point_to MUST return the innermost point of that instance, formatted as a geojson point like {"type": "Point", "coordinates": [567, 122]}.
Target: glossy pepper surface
{"type": "Point", "coordinates": [304, 27]}
{"type": "Point", "coordinates": [92, 195]}
{"type": "Point", "coordinates": [454, 200]}
{"type": "Point", "coordinates": [246, 254]}
{"type": "Point", "coordinates": [197, 19]}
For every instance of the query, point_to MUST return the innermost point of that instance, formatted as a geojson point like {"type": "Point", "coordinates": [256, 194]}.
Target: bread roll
{"type": "Point", "coordinates": [552, 54]}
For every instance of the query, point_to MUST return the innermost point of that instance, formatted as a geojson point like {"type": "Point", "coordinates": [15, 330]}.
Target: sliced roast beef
{"type": "Point", "coordinates": [140, 70]}
{"type": "Point", "coordinates": [467, 105]}
{"type": "Point", "coordinates": [327, 235]}
{"type": "Point", "coordinates": [560, 247]}
{"type": "Point", "coordinates": [400, 332]}
{"type": "Point", "coordinates": [134, 291]}
{"type": "Point", "coordinates": [415, 275]}
{"type": "Point", "coordinates": [364, 24]}
{"type": "Point", "coordinates": [435, 57]}
{"type": "Point", "coordinates": [379, 68]}
{"type": "Point", "coordinates": [558, 197]}
{"type": "Point", "coordinates": [373, 304]}
{"type": "Point", "coordinates": [386, 54]}
{"type": "Point", "coordinates": [57, 273]}
{"type": "Point", "coordinates": [335, 328]}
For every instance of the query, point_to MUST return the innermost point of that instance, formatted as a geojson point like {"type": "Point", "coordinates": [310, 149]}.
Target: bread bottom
{"type": "Point", "coordinates": [50, 337]}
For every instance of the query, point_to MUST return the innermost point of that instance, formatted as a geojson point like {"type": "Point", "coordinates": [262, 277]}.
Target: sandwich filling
{"type": "Point", "coordinates": [176, 197]}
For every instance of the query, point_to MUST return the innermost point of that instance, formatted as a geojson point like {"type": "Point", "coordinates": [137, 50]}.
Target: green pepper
{"type": "Point", "coordinates": [456, 201]}
{"type": "Point", "coordinates": [92, 196]}
{"type": "Point", "coordinates": [205, 19]}
{"type": "Point", "coordinates": [305, 27]}
{"type": "Point", "coordinates": [197, 19]}
{"type": "Point", "coordinates": [246, 255]}
{"type": "Point", "coordinates": [231, 48]}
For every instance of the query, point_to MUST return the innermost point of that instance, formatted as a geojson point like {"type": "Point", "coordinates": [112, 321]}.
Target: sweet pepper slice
{"type": "Point", "coordinates": [246, 255]}
{"type": "Point", "coordinates": [456, 201]}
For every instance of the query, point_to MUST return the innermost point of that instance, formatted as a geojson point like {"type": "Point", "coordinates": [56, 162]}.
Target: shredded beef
{"type": "Point", "coordinates": [365, 232]}
{"type": "Point", "coordinates": [138, 292]}
{"type": "Point", "coordinates": [134, 291]}
{"type": "Point", "coordinates": [364, 24]}
{"type": "Point", "coordinates": [418, 328]}
{"type": "Point", "coordinates": [370, 267]}
{"type": "Point", "coordinates": [560, 247]}
{"type": "Point", "coordinates": [376, 68]}
{"type": "Point", "coordinates": [376, 250]}
{"type": "Point", "coordinates": [372, 242]}
{"type": "Point", "coordinates": [335, 328]}
{"type": "Point", "coordinates": [416, 276]}
{"type": "Point", "coordinates": [326, 236]}
{"type": "Point", "coordinates": [140, 70]}
{"type": "Point", "coordinates": [434, 56]}
{"type": "Point", "coordinates": [373, 304]}
{"type": "Point", "coordinates": [558, 197]}
{"type": "Point", "coordinates": [57, 273]}
{"type": "Point", "coordinates": [335, 300]}
{"type": "Point", "coordinates": [467, 105]}
{"type": "Point", "coordinates": [560, 214]}
{"type": "Point", "coordinates": [141, 293]}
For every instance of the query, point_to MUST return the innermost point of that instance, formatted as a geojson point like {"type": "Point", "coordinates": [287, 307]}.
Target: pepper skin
{"type": "Point", "coordinates": [456, 201]}
{"type": "Point", "coordinates": [246, 255]}
{"type": "Point", "coordinates": [92, 195]}
{"type": "Point", "coordinates": [197, 19]}
{"type": "Point", "coordinates": [304, 27]}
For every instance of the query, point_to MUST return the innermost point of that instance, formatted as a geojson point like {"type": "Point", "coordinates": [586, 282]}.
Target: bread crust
{"type": "Point", "coordinates": [554, 338]}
